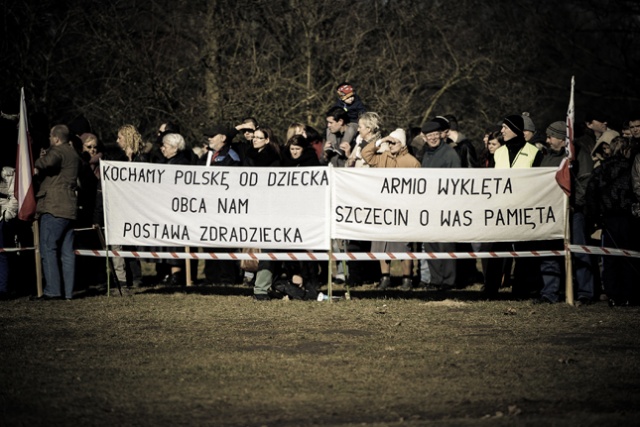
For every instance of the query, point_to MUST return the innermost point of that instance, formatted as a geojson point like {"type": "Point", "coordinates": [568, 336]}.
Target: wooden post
{"type": "Point", "coordinates": [38, 258]}
{"type": "Point", "coordinates": [568, 265]}
{"type": "Point", "coordinates": [330, 273]}
{"type": "Point", "coordinates": [187, 268]}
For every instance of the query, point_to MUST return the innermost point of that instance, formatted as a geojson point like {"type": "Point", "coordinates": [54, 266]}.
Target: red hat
{"type": "Point", "coordinates": [345, 92]}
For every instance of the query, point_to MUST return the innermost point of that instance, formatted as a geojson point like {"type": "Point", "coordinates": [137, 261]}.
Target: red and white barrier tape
{"type": "Point", "coordinates": [346, 256]}
{"type": "Point", "coordinates": [320, 256]}
{"type": "Point", "coordinates": [15, 249]}
{"type": "Point", "coordinates": [595, 250]}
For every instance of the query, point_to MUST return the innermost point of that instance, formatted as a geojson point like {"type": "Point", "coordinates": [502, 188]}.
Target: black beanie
{"type": "Point", "coordinates": [515, 122]}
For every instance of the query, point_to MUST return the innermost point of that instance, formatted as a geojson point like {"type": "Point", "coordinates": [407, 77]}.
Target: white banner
{"type": "Point", "coordinates": [175, 205]}
{"type": "Point", "coordinates": [446, 205]}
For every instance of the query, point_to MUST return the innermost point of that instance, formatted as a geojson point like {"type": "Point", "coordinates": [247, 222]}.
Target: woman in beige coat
{"type": "Point", "coordinates": [397, 156]}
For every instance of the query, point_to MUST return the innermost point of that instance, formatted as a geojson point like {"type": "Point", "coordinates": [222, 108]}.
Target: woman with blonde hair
{"type": "Point", "coordinates": [369, 125]}
{"type": "Point", "coordinates": [130, 141]}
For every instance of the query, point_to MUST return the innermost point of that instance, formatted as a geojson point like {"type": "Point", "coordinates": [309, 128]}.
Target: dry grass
{"type": "Point", "coordinates": [216, 357]}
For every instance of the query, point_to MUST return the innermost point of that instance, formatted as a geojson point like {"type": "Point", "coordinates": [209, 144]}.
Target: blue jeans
{"type": "Point", "coordinates": [582, 262]}
{"type": "Point", "coordinates": [56, 248]}
{"type": "Point", "coordinates": [552, 274]}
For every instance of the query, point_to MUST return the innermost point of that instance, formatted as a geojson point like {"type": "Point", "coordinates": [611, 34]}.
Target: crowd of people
{"type": "Point", "coordinates": [605, 202]}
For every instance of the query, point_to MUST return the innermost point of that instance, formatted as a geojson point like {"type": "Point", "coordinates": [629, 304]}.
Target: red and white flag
{"type": "Point", "coordinates": [24, 168]}
{"type": "Point", "coordinates": [563, 176]}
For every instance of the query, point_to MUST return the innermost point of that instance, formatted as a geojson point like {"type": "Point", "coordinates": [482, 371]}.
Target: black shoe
{"type": "Point", "coordinates": [541, 300]}
{"type": "Point", "coordinates": [406, 284]}
{"type": "Point", "coordinates": [43, 298]}
{"type": "Point", "coordinates": [583, 301]}
{"type": "Point", "coordinates": [175, 280]}
{"type": "Point", "coordinates": [618, 302]}
{"type": "Point", "coordinates": [261, 297]}
{"type": "Point", "coordinates": [384, 283]}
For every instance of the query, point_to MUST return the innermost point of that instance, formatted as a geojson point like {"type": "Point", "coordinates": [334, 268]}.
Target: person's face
{"type": "Point", "coordinates": [493, 145]}
{"type": "Point", "coordinates": [91, 147]}
{"type": "Point", "coordinates": [364, 131]}
{"type": "Point", "coordinates": [122, 143]}
{"type": "Point", "coordinates": [432, 138]}
{"type": "Point", "coordinates": [507, 133]}
{"type": "Point", "coordinates": [597, 126]}
{"type": "Point", "coordinates": [485, 140]}
{"type": "Point", "coordinates": [634, 127]}
{"type": "Point", "coordinates": [527, 135]}
{"type": "Point", "coordinates": [248, 134]}
{"type": "Point", "coordinates": [556, 144]}
{"type": "Point", "coordinates": [349, 100]}
{"type": "Point", "coordinates": [444, 134]}
{"type": "Point", "coordinates": [260, 140]}
{"type": "Point", "coordinates": [168, 150]}
{"type": "Point", "coordinates": [394, 146]}
{"type": "Point", "coordinates": [606, 149]}
{"type": "Point", "coordinates": [216, 142]}
{"type": "Point", "coordinates": [296, 151]}
{"type": "Point", "coordinates": [52, 139]}
{"type": "Point", "coordinates": [334, 127]}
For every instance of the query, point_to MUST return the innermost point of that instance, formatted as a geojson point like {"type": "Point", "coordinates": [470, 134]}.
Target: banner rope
{"type": "Point", "coordinates": [355, 256]}
{"type": "Point", "coordinates": [346, 256]}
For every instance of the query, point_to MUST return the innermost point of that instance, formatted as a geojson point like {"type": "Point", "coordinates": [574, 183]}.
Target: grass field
{"type": "Point", "coordinates": [213, 356]}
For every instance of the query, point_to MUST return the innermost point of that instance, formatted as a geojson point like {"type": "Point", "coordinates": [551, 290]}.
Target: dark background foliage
{"type": "Point", "coordinates": [216, 61]}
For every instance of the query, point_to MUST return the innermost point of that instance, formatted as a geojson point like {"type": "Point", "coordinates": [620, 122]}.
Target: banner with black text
{"type": "Point", "coordinates": [446, 205]}
{"type": "Point", "coordinates": [174, 205]}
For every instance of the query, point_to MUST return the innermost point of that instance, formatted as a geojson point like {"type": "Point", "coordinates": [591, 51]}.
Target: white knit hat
{"type": "Point", "coordinates": [400, 135]}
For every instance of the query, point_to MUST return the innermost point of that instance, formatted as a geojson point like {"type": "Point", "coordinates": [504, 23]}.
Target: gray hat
{"type": "Point", "coordinates": [431, 126]}
{"type": "Point", "coordinates": [528, 123]}
{"type": "Point", "coordinates": [557, 130]}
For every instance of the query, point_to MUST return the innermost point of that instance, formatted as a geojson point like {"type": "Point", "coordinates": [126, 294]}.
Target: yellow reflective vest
{"type": "Point", "coordinates": [524, 159]}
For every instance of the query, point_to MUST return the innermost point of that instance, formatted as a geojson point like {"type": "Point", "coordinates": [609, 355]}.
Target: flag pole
{"type": "Point", "coordinates": [567, 226]}
{"type": "Point", "coordinates": [23, 186]}
{"type": "Point", "coordinates": [568, 265]}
